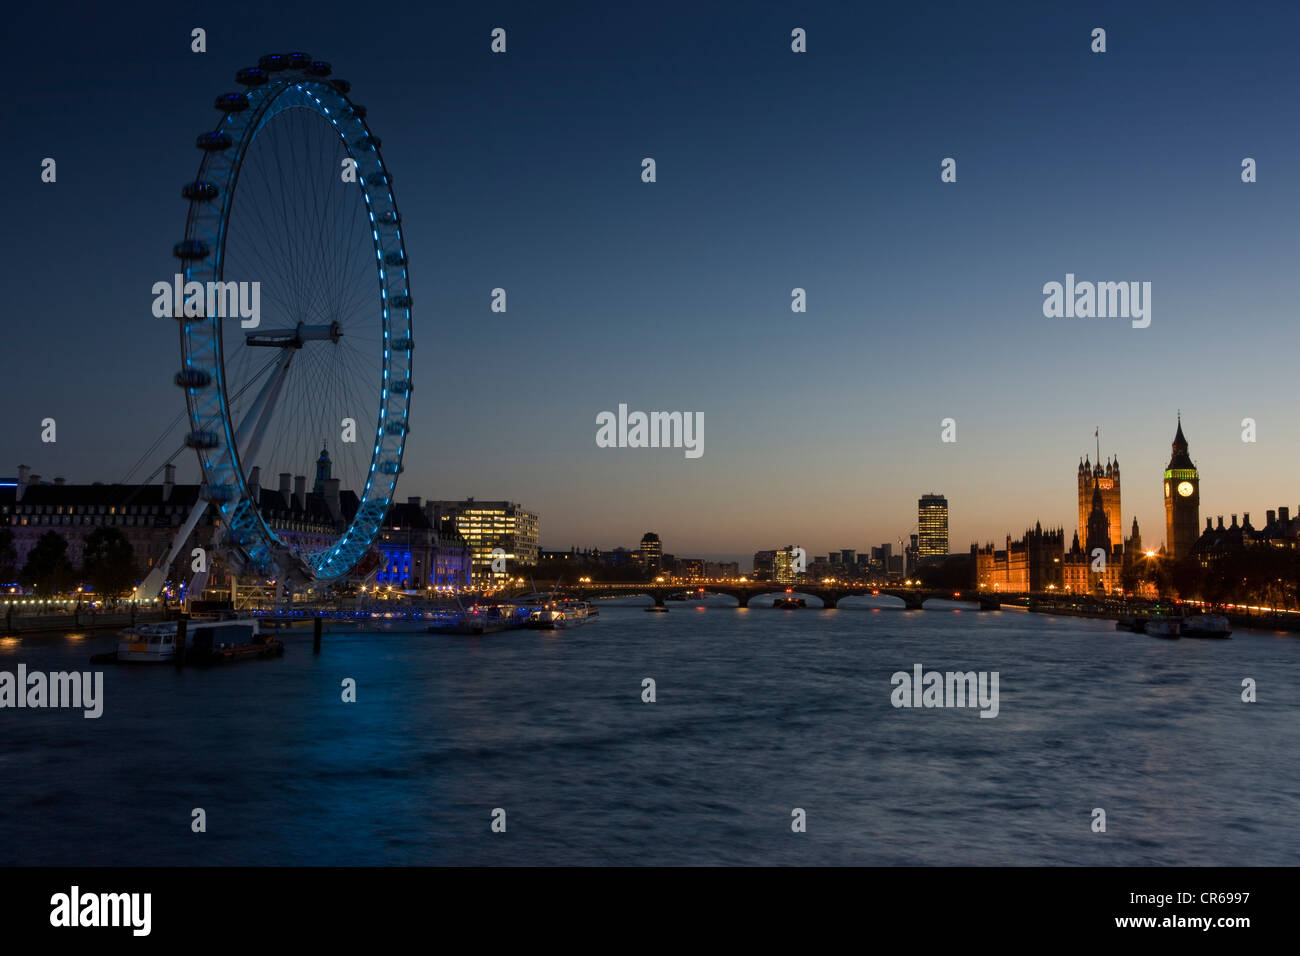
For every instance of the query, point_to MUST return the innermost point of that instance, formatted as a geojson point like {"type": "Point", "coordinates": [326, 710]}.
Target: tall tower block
{"type": "Point", "coordinates": [1182, 488]}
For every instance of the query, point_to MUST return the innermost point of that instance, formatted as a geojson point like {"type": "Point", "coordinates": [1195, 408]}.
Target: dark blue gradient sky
{"type": "Point", "coordinates": [775, 170]}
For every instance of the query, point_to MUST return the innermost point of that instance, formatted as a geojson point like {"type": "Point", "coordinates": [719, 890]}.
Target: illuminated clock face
{"type": "Point", "coordinates": [1185, 489]}
{"type": "Point", "coordinates": [1166, 489]}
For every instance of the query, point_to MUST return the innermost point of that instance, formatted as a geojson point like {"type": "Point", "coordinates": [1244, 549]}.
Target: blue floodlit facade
{"type": "Point", "coordinates": [416, 555]}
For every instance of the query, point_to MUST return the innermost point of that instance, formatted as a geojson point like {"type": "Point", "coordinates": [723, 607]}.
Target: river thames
{"type": "Point", "coordinates": [758, 712]}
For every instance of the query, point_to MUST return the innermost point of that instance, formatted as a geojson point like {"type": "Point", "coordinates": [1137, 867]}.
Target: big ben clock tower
{"type": "Point", "coordinates": [1182, 499]}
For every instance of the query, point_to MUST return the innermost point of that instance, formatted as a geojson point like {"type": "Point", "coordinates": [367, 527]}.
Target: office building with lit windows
{"type": "Point", "coordinates": [784, 569]}
{"type": "Point", "coordinates": [652, 552]}
{"type": "Point", "coordinates": [487, 525]}
{"type": "Point", "coordinates": [932, 527]}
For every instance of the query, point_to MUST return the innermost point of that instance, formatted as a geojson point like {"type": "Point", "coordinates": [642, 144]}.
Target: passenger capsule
{"type": "Point", "coordinates": [273, 62]}
{"type": "Point", "coordinates": [357, 110]}
{"type": "Point", "coordinates": [343, 86]}
{"type": "Point", "coordinates": [190, 249]}
{"type": "Point", "coordinates": [231, 102]}
{"type": "Point", "coordinates": [251, 76]}
{"type": "Point", "coordinates": [199, 190]}
{"type": "Point", "coordinates": [193, 378]}
{"type": "Point", "coordinates": [202, 439]}
{"type": "Point", "coordinates": [320, 68]}
{"type": "Point", "coordinates": [214, 141]}
{"type": "Point", "coordinates": [299, 61]}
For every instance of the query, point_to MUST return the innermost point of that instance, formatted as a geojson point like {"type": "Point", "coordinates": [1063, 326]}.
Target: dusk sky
{"type": "Point", "coordinates": [775, 170]}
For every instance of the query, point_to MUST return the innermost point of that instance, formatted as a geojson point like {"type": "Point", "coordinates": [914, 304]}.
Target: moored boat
{"type": "Point", "coordinates": [575, 612]}
{"type": "Point", "coordinates": [207, 641]}
{"type": "Point", "coordinates": [1162, 627]}
{"type": "Point", "coordinates": [479, 619]}
{"type": "Point", "coordinates": [216, 642]}
{"type": "Point", "coordinates": [146, 644]}
{"type": "Point", "coordinates": [547, 619]}
{"type": "Point", "coordinates": [1207, 625]}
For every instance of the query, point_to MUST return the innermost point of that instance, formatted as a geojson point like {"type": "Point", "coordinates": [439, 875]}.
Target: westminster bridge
{"type": "Point", "coordinates": [830, 595]}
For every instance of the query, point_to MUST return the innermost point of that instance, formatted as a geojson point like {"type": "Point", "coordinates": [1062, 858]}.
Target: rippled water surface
{"type": "Point", "coordinates": [758, 712]}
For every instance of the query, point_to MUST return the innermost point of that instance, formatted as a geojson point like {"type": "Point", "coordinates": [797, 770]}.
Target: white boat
{"type": "Point", "coordinates": [1207, 625]}
{"type": "Point", "coordinates": [575, 612]}
{"type": "Point", "coordinates": [547, 619]}
{"type": "Point", "coordinates": [148, 643]}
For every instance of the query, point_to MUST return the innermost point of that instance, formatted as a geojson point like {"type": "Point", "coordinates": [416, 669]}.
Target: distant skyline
{"type": "Point", "coordinates": [775, 171]}
{"type": "Point", "coordinates": [1153, 536]}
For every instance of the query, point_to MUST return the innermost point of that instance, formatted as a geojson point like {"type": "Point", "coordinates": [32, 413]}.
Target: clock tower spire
{"type": "Point", "coordinates": [1182, 499]}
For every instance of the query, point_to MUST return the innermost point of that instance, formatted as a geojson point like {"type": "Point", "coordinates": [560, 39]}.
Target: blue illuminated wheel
{"type": "Point", "coordinates": [305, 323]}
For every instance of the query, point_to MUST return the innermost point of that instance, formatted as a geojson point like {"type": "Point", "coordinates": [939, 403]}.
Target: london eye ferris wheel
{"type": "Point", "coordinates": [292, 201]}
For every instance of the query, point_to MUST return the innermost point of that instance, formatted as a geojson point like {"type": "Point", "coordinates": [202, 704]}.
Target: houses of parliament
{"type": "Point", "coordinates": [1098, 552]}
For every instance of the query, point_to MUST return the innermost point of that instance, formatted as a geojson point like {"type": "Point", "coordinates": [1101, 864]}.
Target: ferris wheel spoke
{"type": "Point", "coordinates": [263, 238]}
